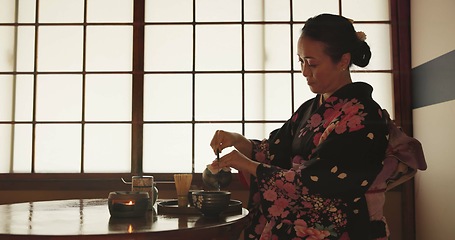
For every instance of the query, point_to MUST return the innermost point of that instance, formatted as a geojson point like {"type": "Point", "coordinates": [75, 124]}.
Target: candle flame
{"type": "Point", "coordinates": [130, 203]}
{"type": "Point", "coordinates": [130, 228]}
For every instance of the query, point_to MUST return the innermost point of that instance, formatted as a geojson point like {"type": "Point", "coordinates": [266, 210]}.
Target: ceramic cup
{"type": "Point", "coordinates": [145, 184]}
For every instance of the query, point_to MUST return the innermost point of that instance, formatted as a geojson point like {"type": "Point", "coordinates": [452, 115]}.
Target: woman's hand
{"type": "Point", "coordinates": [222, 139]}
{"type": "Point", "coordinates": [237, 160]}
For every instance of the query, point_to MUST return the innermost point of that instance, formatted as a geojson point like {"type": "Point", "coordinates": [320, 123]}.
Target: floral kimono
{"type": "Point", "coordinates": [316, 168]}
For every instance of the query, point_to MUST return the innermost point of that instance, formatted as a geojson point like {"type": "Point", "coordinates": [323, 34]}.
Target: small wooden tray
{"type": "Point", "coordinates": [171, 207]}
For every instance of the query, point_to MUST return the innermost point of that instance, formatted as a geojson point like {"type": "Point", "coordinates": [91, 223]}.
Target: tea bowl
{"type": "Point", "coordinates": [211, 203]}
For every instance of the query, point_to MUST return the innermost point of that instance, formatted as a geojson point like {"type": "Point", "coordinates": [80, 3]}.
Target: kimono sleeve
{"type": "Point", "coordinates": [279, 155]}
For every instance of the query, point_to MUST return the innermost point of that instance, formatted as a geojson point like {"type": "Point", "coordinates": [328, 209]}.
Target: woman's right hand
{"type": "Point", "coordinates": [223, 139]}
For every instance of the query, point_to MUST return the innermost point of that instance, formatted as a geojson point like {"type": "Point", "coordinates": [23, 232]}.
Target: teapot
{"type": "Point", "coordinates": [216, 179]}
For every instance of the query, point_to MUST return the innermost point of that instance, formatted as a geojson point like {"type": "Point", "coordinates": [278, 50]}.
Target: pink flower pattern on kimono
{"type": "Point", "coordinates": [353, 117]}
{"type": "Point", "coordinates": [277, 211]}
{"type": "Point", "coordinates": [270, 195]}
{"type": "Point", "coordinates": [302, 230]}
{"type": "Point", "coordinates": [346, 115]}
{"type": "Point", "coordinates": [353, 123]}
{"type": "Point", "coordinates": [289, 176]}
{"type": "Point", "coordinates": [315, 121]}
{"type": "Point", "coordinates": [289, 188]}
{"type": "Point", "coordinates": [281, 204]}
{"type": "Point", "coordinates": [279, 183]}
{"type": "Point", "coordinates": [313, 124]}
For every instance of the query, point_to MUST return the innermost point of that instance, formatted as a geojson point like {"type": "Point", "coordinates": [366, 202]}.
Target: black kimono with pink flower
{"type": "Point", "coordinates": [316, 169]}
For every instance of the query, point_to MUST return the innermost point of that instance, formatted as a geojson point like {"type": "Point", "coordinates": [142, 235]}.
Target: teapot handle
{"type": "Point", "coordinates": [125, 182]}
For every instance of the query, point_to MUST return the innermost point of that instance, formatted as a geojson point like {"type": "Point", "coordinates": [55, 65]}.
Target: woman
{"type": "Point", "coordinates": [308, 179]}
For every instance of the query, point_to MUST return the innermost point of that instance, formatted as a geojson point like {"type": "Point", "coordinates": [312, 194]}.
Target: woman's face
{"type": "Point", "coordinates": [322, 74]}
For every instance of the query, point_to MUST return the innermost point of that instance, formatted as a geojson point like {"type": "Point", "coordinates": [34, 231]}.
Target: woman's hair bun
{"type": "Point", "coordinates": [361, 54]}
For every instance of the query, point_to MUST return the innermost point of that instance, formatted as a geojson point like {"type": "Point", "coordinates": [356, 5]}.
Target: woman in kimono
{"type": "Point", "coordinates": [309, 178]}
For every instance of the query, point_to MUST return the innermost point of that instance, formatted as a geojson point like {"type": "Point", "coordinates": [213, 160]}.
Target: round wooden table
{"type": "Point", "coordinates": [90, 219]}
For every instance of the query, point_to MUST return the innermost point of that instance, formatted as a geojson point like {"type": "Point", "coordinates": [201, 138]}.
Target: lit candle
{"type": "Point", "coordinates": [124, 206]}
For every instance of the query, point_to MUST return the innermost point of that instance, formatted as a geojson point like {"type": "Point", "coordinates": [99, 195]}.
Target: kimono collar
{"type": "Point", "coordinates": [358, 90]}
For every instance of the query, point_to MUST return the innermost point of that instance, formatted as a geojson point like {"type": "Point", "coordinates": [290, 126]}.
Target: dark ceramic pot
{"type": "Point", "coordinates": [128, 204]}
{"type": "Point", "coordinates": [216, 181]}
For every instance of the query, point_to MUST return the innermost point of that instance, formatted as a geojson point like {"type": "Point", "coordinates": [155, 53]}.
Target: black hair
{"type": "Point", "coordinates": [339, 36]}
